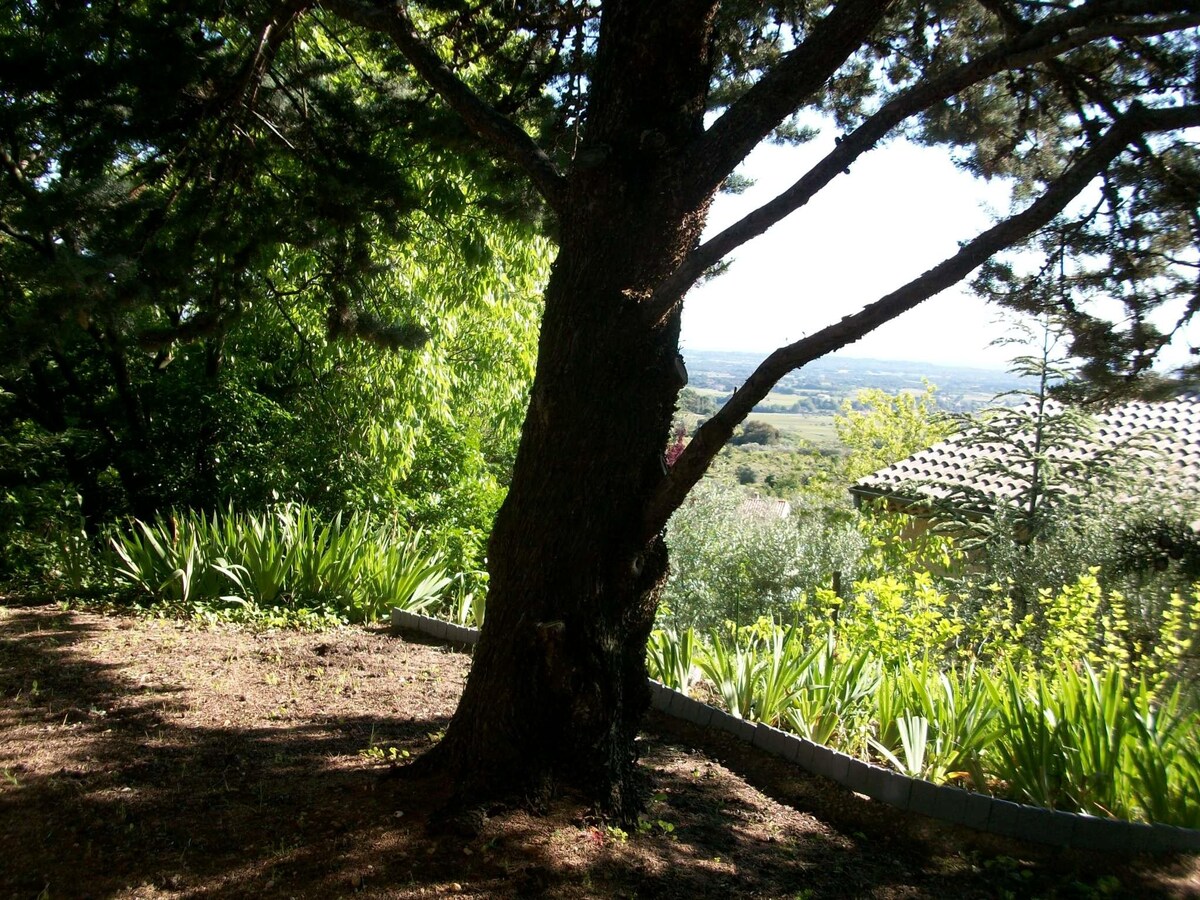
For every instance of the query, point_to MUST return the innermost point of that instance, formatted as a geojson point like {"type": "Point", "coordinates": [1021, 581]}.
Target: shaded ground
{"type": "Point", "coordinates": [148, 758]}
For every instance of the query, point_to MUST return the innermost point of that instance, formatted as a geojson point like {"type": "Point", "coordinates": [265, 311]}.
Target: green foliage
{"type": "Point", "coordinates": [942, 720]}
{"type": "Point", "coordinates": [759, 671]}
{"type": "Point", "coordinates": [241, 565]}
{"type": "Point", "coordinates": [696, 403]}
{"type": "Point", "coordinates": [467, 603]}
{"type": "Point", "coordinates": [190, 237]}
{"type": "Point", "coordinates": [731, 562]}
{"type": "Point", "coordinates": [1074, 700]}
{"type": "Point", "coordinates": [878, 429]}
{"type": "Point", "coordinates": [756, 431]}
{"type": "Point", "coordinates": [671, 656]}
{"type": "Point", "coordinates": [1072, 737]}
{"type": "Point", "coordinates": [831, 705]}
{"type": "Point", "coordinates": [1057, 474]}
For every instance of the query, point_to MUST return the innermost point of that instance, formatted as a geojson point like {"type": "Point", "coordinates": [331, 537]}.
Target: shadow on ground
{"type": "Point", "coordinates": [163, 760]}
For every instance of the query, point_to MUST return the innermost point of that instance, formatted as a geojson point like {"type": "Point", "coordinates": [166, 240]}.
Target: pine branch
{"type": "Point", "coordinates": [713, 435]}
{"type": "Point", "coordinates": [1046, 41]}
{"type": "Point", "coordinates": [271, 35]}
{"type": "Point", "coordinates": [775, 96]}
{"type": "Point", "coordinates": [497, 131]}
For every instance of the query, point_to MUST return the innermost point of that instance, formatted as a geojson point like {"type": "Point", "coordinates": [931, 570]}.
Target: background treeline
{"type": "Point", "coordinates": [181, 268]}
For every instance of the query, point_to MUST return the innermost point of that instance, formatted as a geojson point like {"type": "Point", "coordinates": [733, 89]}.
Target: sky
{"type": "Point", "coordinates": [902, 209]}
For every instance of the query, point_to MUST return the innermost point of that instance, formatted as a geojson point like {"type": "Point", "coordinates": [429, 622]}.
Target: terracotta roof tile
{"type": "Point", "coordinates": [1171, 428]}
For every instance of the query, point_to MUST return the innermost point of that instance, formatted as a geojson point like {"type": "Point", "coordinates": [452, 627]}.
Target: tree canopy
{"type": "Point", "coordinates": [196, 209]}
{"type": "Point", "coordinates": [163, 170]}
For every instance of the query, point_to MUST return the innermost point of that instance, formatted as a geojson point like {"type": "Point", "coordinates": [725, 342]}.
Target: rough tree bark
{"type": "Point", "coordinates": [558, 683]}
{"type": "Point", "coordinates": [576, 557]}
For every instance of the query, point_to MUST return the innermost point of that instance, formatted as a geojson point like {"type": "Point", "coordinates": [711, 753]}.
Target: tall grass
{"type": "Point", "coordinates": [352, 567]}
{"type": "Point", "coordinates": [951, 712]}
{"type": "Point", "coordinates": [671, 657]}
{"type": "Point", "coordinates": [1073, 737]}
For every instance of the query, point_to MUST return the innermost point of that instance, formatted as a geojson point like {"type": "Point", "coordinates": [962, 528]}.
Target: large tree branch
{"type": "Point", "coordinates": [271, 35]}
{"type": "Point", "coordinates": [1045, 41]}
{"type": "Point", "coordinates": [775, 96]}
{"type": "Point", "coordinates": [498, 132]}
{"type": "Point", "coordinates": [713, 435]}
{"type": "Point", "coordinates": [806, 68]}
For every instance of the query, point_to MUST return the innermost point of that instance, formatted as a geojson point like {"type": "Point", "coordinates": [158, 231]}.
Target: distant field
{"type": "Point", "coordinates": [818, 430]}
{"type": "Point", "coordinates": [772, 399]}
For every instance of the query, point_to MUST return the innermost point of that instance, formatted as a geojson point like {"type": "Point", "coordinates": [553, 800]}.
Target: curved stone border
{"type": "Point", "coordinates": [949, 804]}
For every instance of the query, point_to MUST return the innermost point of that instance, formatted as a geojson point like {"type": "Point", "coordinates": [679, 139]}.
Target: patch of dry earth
{"type": "Point", "coordinates": [144, 758]}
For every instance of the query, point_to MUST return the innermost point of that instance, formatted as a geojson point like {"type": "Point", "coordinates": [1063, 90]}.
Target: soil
{"type": "Point", "coordinates": [153, 758]}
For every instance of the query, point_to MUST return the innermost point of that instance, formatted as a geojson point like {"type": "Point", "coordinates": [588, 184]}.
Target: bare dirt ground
{"type": "Point", "coordinates": [153, 759]}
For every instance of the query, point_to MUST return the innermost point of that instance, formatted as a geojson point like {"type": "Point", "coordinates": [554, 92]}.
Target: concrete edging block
{"type": "Point", "coordinates": [689, 709]}
{"type": "Point", "coordinates": [731, 724]}
{"type": "Point", "coordinates": [660, 695]}
{"type": "Point", "coordinates": [404, 619]}
{"type": "Point", "coordinates": [978, 811]}
{"type": "Point", "coordinates": [830, 764]}
{"type": "Point", "coordinates": [723, 721]}
{"type": "Point", "coordinates": [889, 787]}
{"type": "Point", "coordinates": [950, 804]}
{"type": "Point", "coordinates": [923, 798]}
{"type": "Point", "coordinates": [858, 775]}
{"type": "Point", "coordinates": [697, 713]}
{"type": "Point", "coordinates": [1095, 833]}
{"type": "Point", "coordinates": [1173, 839]}
{"type": "Point", "coordinates": [1046, 826]}
{"type": "Point", "coordinates": [744, 730]}
{"type": "Point", "coordinates": [774, 741]}
{"type": "Point", "coordinates": [1004, 819]}
{"type": "Point", "coordinates": [676, 703]}
{"type": "Point", "coordinates": [804, 753]}
{"type": "Point", "coordinates": [704, 713]}
{"type": "Point", "coordinates": [1140, 837]}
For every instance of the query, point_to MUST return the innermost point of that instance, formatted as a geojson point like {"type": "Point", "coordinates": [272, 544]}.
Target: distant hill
{"type": "Point", "coordinates": [820, 387]}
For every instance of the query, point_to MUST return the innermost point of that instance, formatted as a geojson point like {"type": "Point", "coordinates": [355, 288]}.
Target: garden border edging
{"type": "Point", "coordinates": [981, 812]}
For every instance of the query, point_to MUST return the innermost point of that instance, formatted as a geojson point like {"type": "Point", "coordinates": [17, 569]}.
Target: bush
{"type": "Point", "coordinates": [728, 563]}
{"type": "Point", "coordinates": [757, 432]}
{"type": "Point", "coordinates": [288, 563]}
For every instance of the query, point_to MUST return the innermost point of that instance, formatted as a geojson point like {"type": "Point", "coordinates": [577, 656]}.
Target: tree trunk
{"type": "Point", "coordinates": [558, 685]}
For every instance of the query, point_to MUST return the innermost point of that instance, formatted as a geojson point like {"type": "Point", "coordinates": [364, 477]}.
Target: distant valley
{"type": "Point", "coordinates": [819, 388]}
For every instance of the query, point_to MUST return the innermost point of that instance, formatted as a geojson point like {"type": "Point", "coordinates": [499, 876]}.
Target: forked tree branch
{"type": "Point", "coordinates": [715, 433]}
{"type": "Point", "coordinates": [805, 69]}
{"type": "Point", "coordinates": [778, 93]}
{"type": "Point", "coordinates": [1045, 41]}
{"type": "Point", "coordinates": [495, 130]}
{"type": "Point", "coordinates": [272, 33]}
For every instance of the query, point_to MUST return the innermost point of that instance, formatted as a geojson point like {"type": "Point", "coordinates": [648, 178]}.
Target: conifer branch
{"type": "Point", "coordinates": [801, 72]}
{"type": "Point", "coordinates": [497, 131]}
{"type": "Point", "coordinates": [1045, 41]}
{"type": "Point", "coordinates": [715, 433]}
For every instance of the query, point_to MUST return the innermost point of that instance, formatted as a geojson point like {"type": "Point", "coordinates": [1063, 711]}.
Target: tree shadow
{"type": "Point", "coordinates": [138, 798]}
{"type": "Point", "coordinates": [111, 788]}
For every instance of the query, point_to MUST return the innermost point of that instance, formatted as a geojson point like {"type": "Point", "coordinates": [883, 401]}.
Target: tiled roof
{"type": "Point", "coordinates": [765, 508]}
{"type": "Point", "coordinates": [1166, 435]}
